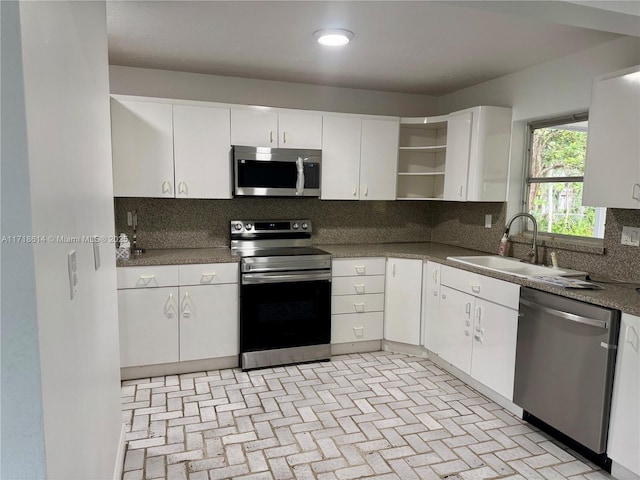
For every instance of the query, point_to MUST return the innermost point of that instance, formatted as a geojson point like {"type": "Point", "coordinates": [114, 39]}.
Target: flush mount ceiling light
{"type": "Point", "coordinates": [333, 37]}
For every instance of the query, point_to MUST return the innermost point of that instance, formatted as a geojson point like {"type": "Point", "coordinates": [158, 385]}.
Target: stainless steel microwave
{"type": "Point", "coordinates": [276, 172]}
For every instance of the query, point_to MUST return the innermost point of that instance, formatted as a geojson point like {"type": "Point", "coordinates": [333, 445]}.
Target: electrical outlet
{"type": "Point", "coordinates": [630, 236]}
{"type": "Point", "coordinates": [487, 221]}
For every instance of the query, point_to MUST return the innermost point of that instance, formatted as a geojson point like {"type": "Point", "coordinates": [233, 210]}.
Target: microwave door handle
{"type": "Point", "coordinates": [300, 181]}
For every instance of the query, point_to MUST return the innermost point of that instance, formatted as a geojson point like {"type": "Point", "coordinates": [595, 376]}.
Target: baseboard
{"type": "Point", "coordinates": [473, 383]}
{"type": "Point", "coordinates": [162, 369]}
{"type": "Point", "coordinates": [397, 347]}
{"type": "Point", "coordinates": [122, 445]}
{"type": "Point", "coordinates": [355, 347]}
{"type": "Point", "coordinates": [621, 473]}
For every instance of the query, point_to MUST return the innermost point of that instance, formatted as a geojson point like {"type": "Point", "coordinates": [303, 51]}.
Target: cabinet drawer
{"type": "Point", "coordinates": [357, 303]}
{"type": "Point", "coordinates": [492, 289]}
{"type": "Point", "coordinates": [208, 273]}
{"type": "Point", "coordinates": [357, 285]}
{"type": "Point", "coordinates": [345, 267]}
{"type": "Point", "coordinates": [356, 327]}
{"type": "Point", "coordinates": [147, 277]}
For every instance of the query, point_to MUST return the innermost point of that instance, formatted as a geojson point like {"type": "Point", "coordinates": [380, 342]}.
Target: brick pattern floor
{"type": "Point", "coordinates": [377, 415]}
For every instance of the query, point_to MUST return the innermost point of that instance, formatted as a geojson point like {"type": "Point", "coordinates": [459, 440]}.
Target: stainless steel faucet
{"type": "Point", "coordinates": [533, 253]}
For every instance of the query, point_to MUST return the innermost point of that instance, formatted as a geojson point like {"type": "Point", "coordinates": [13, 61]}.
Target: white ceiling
{"type": "Point", "coordinates": [426, 47]}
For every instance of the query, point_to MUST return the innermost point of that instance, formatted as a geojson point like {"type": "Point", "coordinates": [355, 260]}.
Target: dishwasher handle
{"type": "Point", "coordinates": [566, 315]}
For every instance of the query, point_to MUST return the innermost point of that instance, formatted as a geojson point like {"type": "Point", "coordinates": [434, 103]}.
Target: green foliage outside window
{"type": "Point", "coordinates": [559, 151]}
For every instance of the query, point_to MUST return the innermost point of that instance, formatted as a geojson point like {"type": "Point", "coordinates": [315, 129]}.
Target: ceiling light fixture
{"type": "Point", "coordinates": [333, 37]}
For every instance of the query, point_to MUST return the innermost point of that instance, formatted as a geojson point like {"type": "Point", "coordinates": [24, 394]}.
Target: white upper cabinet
{"type": "Point", "coordinates": [463, 156]}
{"type": "Point", "coordinates": [612, 168]}
{"type": "Point", "coordinates": [359, 158]}
{"type": "Point", "coordinates": [300, 130]}
{"type": "Point", "coordinates": [257, 128]}
{"type": "Point", "coordinates": [341, 157]}
{"type": "Point", "coordinates": [457, 158]}
{"type": "Point", "coordinates": [202, 152]}
{"type": "Point", "coordinates": [142, 142]}
{"type": "Point", "coordinates": [254, 128]}
{"type": "Point", "coordinates": [378, 159]}
{"type": "Point", "coordinates": [175, 151]}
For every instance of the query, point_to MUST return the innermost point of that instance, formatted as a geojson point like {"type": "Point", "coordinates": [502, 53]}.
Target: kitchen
{"type": "Point", "coordinates": [572, 78]}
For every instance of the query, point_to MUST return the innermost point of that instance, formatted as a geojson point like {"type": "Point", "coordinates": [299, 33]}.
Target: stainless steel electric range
{"type": "Point", "coordinates": [285, 293]}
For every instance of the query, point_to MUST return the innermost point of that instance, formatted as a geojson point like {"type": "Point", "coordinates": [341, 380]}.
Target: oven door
{"type": "Point", "coordinates": [284, 310]}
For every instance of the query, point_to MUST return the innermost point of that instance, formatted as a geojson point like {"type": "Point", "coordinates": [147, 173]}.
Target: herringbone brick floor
{"type": "Point", "coordinates": [377, 415]}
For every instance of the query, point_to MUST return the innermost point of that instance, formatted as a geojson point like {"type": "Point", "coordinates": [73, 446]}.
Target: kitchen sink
{"type": "Point", "coordinates": [513, 266]}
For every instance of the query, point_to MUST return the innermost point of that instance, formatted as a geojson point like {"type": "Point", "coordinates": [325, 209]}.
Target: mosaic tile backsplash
{"type": "Point", "coordinates": [183, 223]}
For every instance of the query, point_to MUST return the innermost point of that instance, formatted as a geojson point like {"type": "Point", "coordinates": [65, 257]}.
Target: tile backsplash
{"type": "Point", "coordinates": [184, 223]}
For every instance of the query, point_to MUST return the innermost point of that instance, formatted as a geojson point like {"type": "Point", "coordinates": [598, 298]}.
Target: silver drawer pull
{"type": "Point", "coordinates": [358, 331]}
{"type": "Point", "coordinates": [359, 287]}
{"type": "Point", "coordinates": [360, 269]}
{"type": "Point", "coordinates": [359, 307]}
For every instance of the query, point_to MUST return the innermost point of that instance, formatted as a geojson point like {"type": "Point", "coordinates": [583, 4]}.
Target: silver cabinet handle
{"type": "Point", "coordinates": [271, 136]}
{"type": "Point", "coordinates": [360, 269]}
{"type": "Point", "coordinates": [635, 194]}
{"type": "Point", "coordinates": [631, 337]}
{"type": "Point", "coordinates": [358, 331]}
{"type": "Point", "coordinates": [475, 288]}
{"type": "Point", "coordinates": [566, 315]}
{"type": "Point", "coordinates": [359, 307]}
{"type": "Point", "coordinates": [182, 188]}
{"type": "Point", "coordinates": [478, 338]}
{"type": "Point", "coordinates": [354, 189]}
{"type": "Point", "coordinates": [467, 309]}
{"type": "Point", "coordinates": [166, 186]}
{"type": "Point", "coordinates": [366, 190]}
{"type": "Point", "coordinates": [359, 288]}
{"type": "Point", "coordinates": [284, 137]}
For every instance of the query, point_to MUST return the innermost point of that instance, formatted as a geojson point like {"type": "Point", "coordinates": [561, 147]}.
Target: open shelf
{"type": "Point", "coordinates": [421, 159]}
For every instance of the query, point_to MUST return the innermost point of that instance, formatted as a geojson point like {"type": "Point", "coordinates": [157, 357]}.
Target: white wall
{"type": "Point", "coordinates": [550, 89]}
{"type": "Point", "coordinates": [66, 109]}
{"type": "Point", "coordinates": [22, 445]}
{"type": "Point", "coordinates": [246, 91]}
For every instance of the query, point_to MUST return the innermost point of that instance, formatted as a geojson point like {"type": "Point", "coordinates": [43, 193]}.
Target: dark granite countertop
{"type": "Point", "coordinates": [180, 256]}
{"type": "Point", "coordinates": [620, 297]}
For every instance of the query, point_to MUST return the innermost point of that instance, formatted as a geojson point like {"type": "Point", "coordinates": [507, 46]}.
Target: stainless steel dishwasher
{"type": "Point", "coordinates": [565, 358]}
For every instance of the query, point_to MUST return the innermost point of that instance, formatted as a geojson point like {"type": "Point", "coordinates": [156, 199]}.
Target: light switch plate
{"type": "Point", "coordinates": [96, 252]}
{"type": "Point", "coordinates": [129, 219]}
{"type": "Point", "coordinates": [630, 236]}
{"type": "Point", "coordinates": [487, 221]}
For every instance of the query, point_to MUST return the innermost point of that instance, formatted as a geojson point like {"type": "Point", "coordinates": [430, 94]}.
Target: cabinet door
{"type": "Point", "coordinates": [340, 158]}
{"type": "Point", "coordinates": [456, 165]}
{"type": "Point", "coordinates": [202, 152]}
{"type": "Point", "coordinates": [148, 319]}
{"type": "Point", "coordinates": [430, 305]}
{"type": "Point", "coordinates": [254, 128]}
{"type": "Point", "coordinates": [494, 346]}
{"type": "Point", "coordinates": [208, 321]}
{"type": "Point", "coordinates": [298, 130]}
{"type": "Point", "coordinates": [612, 170]}
{"type": "Point", "coordinates": [624, 433]}
{"type": "Point", "coordinates": [403, 292]}
{"type": "Point", "coordinates": [379, 159]}
{"type": "Point", "coordinates": [455, 327]}
{"type": "Point", "coordinates": [142, 142]}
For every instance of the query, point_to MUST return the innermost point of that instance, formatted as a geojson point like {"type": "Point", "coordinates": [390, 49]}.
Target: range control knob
{"type": "Point", "coordinates": [238, 226]}
{"type": "Point", "coordinates": [295, 225]}
{"type": "Point", "coordinates": [305, 225]}
{"type": "Point", "coordinates": [248, 226]}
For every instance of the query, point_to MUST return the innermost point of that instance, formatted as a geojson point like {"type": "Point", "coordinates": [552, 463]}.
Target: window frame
{"type": "Point", "coordinates": [528, 180]}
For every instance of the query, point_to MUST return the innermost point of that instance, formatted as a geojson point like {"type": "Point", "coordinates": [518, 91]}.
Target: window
{"type": "Point", "coordinates": [553, 193]}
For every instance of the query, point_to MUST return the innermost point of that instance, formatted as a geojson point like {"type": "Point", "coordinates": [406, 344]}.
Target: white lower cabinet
{"type": "Point", "coordinates": [430, 305]}
{"type": "Point", "coordinates": [195, 318]}
{"type": "Point", "coordinates": [624, 426]}
{"type": "Point", "coordinates": [403, 295]}
{"type": "Point", "coordinates": [148, 320]}
{"type": "Point", "coordinates": [357, 299]}
{"type": "Point", "coordinates": [477, 331]}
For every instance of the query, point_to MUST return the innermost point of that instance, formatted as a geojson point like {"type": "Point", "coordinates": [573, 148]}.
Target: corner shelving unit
{"type": "Point", "coordinates": [421, 159]}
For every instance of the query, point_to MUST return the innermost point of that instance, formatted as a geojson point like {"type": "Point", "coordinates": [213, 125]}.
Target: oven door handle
{"type": "Point", "coordinates": [257, 278]}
